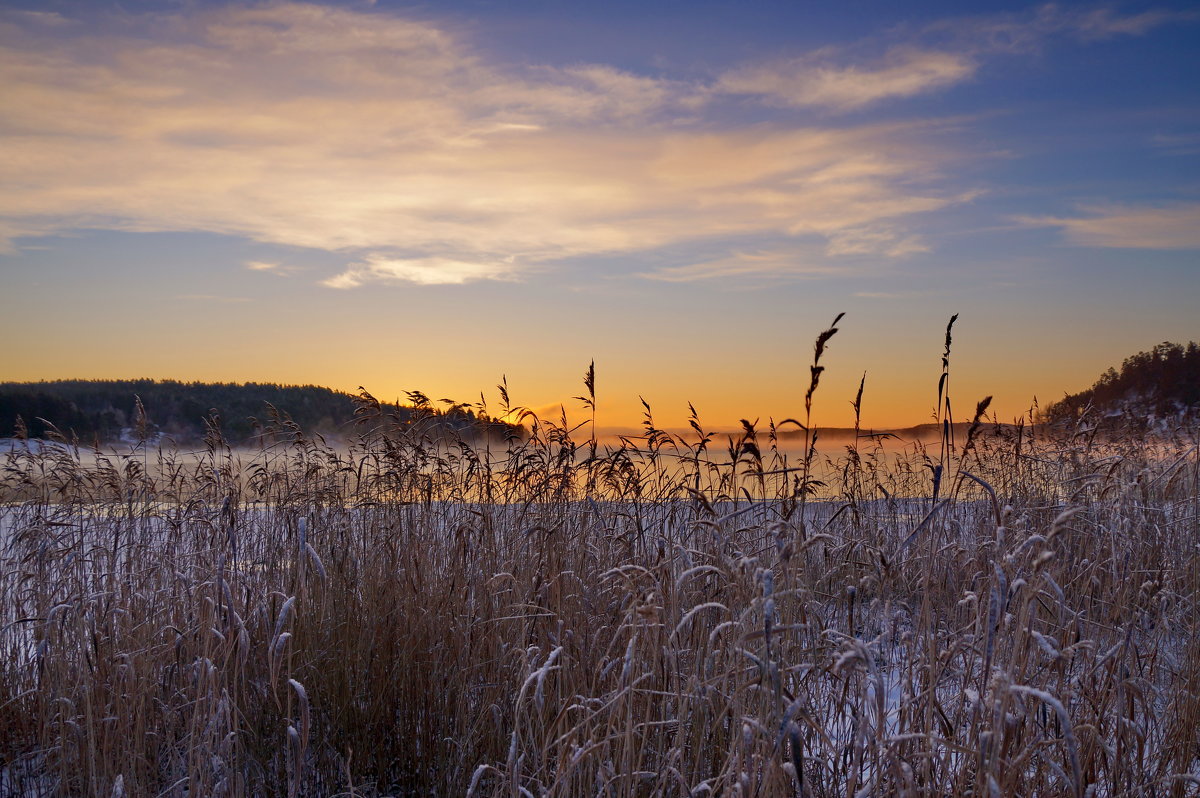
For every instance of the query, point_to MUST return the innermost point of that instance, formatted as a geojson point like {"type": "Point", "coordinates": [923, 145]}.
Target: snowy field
{"type": "Point", "coordinates": [410, 617]}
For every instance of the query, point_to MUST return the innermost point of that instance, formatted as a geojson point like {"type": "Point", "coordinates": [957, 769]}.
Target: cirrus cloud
{"type": "Point", "coordinates": [1129, 226]}
{"type": "Point", "coordinates": [393, 141]}
{"type": "Point", "coordinates": [422, 271]}
{"type": "Point", "coordinates": [902, 73]}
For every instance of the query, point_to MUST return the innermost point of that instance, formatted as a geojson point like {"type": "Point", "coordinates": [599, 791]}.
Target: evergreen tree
{"type": "Point", "coordinates": [1162, 381]}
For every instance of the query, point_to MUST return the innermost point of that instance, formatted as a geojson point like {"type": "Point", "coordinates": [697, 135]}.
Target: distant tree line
{"type": "Point", "coordinates": [1163, 381]}
{"type": "Point", "coordinates": [108, 410]}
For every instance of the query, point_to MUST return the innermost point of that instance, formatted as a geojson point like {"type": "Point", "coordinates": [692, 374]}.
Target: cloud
{"type": "Point", "coordinates": [810, 82]}
{"type": "Point", "coordinates": [228, 300]}
{"type": "Point", "coordinates": [271, 267]}
{"type": "Point", "coordinates": [41, 18]}
{"type": "Point", "coordinates": [1129, 227]}
{"type": "Point", "coordinates": [1176, 143]}
{"type": "Point", "coordinates": [889, 294]}
{"type": "Point", "coordinates": [786, 262]}
{"type": "Point", "coordinates": [1022, 32]}
{"type": "Point", "coordinates": [944, 54]}
{"type": "Point", "coordinates": [878, 240]}
{"type": "Point", "coordinates": [1105, 23]}
{"type": "Point", "coordinates": [797, 262]}
{"type": "Point", "coordinates": [422, 271]}
{"type": "Point", "coordinates": [396, 143]}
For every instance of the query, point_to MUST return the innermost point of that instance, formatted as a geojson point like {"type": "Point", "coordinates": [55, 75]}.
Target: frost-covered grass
{"type": "Point", "coordinates": [418, 615]}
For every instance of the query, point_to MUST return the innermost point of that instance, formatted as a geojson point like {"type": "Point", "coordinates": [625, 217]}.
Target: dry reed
{"type": "Point", "coordinates": [420, 614]}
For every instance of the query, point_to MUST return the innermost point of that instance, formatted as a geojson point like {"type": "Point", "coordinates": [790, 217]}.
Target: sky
{"type": "Point", "coordinates": [438, 196]}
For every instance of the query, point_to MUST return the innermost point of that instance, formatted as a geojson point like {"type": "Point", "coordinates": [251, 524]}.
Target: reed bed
{"type": "Point", "coordinates": [416, 613]}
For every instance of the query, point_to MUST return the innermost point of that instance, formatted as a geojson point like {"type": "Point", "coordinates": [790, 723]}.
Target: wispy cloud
{"type": "Point", "coordinates": [395, 142]}
{"type": "Point", "coordinates": [1105, 23]}
{"type": "Point", "coordinates": [813, 81]}
{"type": "Point", "coordinates": [799, 262]}
{"type": "Point", "coordinates": [422, 271]}
{"type": "Point", "coordinates": [1176, 143]}
{"type": "Point", "coordinates": [226, 300]}
{"type": "Point", "coordinates": [41, 18]}
{"type": "Point", "coordinates": [944, 54]}
{"type": "Point", "coordinates": [784, 262]}
{"type": "Point", "coordinates": [272, 267]}
{"type": "Point", "coordinates": [1024, 31]}
{"type": "Point", "coordinates": [879, 239]}
{"type": "Point", "coordinates": [1129, 227]}
{"type": "Point", "coordinates": [889, 295]}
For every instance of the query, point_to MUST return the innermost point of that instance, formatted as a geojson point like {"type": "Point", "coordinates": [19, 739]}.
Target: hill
{"type": "Point", "coordinates": [1162, 381]}
{"type": "Point", "coordinates": [108, 410]}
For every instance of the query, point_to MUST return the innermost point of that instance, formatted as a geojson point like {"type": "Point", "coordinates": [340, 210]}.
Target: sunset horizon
{"type": "Point", "coordinates": [408, 197]}
{"type": "Point", "coordinates": [613, 399]}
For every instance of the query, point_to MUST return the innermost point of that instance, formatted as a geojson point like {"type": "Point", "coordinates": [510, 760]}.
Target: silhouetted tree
{"type": "Point", "coordinates": [1162, 381]}
{"type": "Point", "coordinates": [101, 409]}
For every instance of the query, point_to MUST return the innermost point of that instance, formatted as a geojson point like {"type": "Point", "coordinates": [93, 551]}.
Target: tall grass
{"type": "Point", "coordinates": [419, 614]}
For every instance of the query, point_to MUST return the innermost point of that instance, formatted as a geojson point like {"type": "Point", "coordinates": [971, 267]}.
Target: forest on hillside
{"type": "Point", "coordinates": [110, 410]}
{"type": "Point", "coordinates": [1162, 381]}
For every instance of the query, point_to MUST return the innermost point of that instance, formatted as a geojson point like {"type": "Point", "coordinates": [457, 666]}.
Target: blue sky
{"type": "Point", "coordinates": [428, 196]}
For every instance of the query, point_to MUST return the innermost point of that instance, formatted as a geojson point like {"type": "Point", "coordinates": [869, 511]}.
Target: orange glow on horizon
{"type": "Point", "coordinates": [371, 195]}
